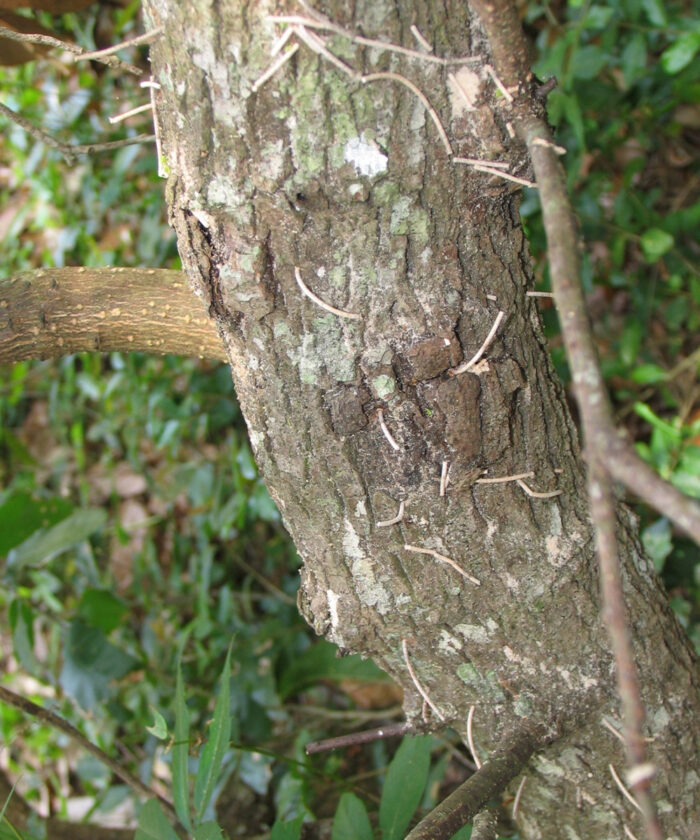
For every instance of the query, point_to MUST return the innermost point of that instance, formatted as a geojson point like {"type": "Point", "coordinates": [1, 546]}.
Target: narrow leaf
{"type": "Point", "coordinates": [351, 821]}
{"type": "Point", "coordinates": [209, 768]}
{"type": "Point", "coordinates": [180, 752]}
{"type": "Point", "coordinates": [404, 785]}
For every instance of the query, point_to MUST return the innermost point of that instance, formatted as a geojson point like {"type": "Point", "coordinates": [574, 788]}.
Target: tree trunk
{"type": "Point", "coordinates": [343, 184]}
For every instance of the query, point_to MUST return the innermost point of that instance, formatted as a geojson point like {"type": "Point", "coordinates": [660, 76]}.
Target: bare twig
{"type": "Point", "coordinates": [397, 77]}
{"type": "Point", "coordinates": [518, 795]}
{"type": "Point", "coordinates": [470, 737]}
{"type": "Point", "coordinates": [443, 559]}
{"type": "Point", "coordinates": [423, 693]}
{"type": "Point", "coordinates": [367, 736]}
{"type": "Point", "coordinates": [144, 38]}
{"type": "Point", "coordinates": [57, 722]}
{"type": "Point", "coordinates": [395, 520]}
{"type": "Point", "coordinates": [484, 347]}
{"type": "Point", "coordinates": [507, 762]}
{"type": "Point", "coordinates": [322, 303]}
{"type": "Point", "coordinates": [132, 112]}
{"type": "Point", "coordinates": [68, 151]}
{"type": "Point", "coordinates": [57, 43]}
{"type": "Point", "coordinates": [375, 43]}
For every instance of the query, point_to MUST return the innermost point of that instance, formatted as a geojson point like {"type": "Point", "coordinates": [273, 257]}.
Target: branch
{"type": "Point", "coordinates": [68, 150]}
{"type": "Point", "coordinates": [57, 722]}
{"type": "Point", "coordinates": [68, 46]}
{"type": "Point", "coordinates": [470, 797]}
{"type": "Point", "coordinates": [51, 312]}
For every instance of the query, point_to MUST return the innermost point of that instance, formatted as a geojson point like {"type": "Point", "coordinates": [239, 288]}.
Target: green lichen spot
{"type": "Point", "coordinates": [486, 686]}
{"type": "Point", "coordinates": [383, 386]}
{"type": "Point", "coordinates": [523, 706]}
{"type": "Point", "coordinates": [399, 216]}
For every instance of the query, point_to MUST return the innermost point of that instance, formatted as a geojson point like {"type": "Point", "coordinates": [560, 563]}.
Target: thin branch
{"type": "Point", "coordinates": [484, 347]}
{"type": "Point", "coordinates": [385, 430]}
{"type": "Point", "coordinates": [623, 790]}
{"type": "Point", "coordinates": [322, 303]}
{"type": "Point", "coordinates": [518, 795]}
{"type": "Point", "coordinates": [367, 736]}
{"type": "Point", "coordinates": [443, 559]}
{"type": "Point", "coordinates": [69, 151]}
{"type": "Point", "coordinates": [57, 722]}
{"type": "Point", "coordinates": [144, 38]}
{"type": "Point", "coordinates": [132, 112]}
{"type": "Point", "coordinates": [396, 519]}
{"type": "Point", "coordinates": [470, 737]}
{"type": "Point", "coordinates": [274, 67]}
{"type": "Point", "coordinates": [507, 762]}
{"type": "Point", "coordinates": [397, 77]}
{"type": "Point", "coordinates": [423, 693]}
{"type": "Point", "coordinates": [375, 43]}
{"type": "Point", "coordinates": [67, 46]}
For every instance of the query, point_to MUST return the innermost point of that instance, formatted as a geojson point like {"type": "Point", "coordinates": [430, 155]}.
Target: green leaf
{"type": "Point", "coordinates": [351, 821]}
{"type": "Point", "coordinates": [180, 754]}
{"type": "Point", "coordinates": [153, 824]}
{"type": "Point", "coordinates": [657, 542]}
{"type": "Point", "coordinates": [464, 833]}
{"type": "Point", "coordinates": [655, 243]}
{"type": "Point", "coordinates": [404, 785]}
{"type": "Point", "coordinates": [588, 61]}
{"type": "Point", "coordinates": [100, 608]}
{"type": "Point", "coordinates": [643, 410]}
{"type": "Point", "coordinates": [634, 58]}
{"type": "Point", "coordinates": [648, 374]}
{"type": "Point", "coordinates": [21, 514]}
{"type": "Point", "coordinates": [208, 831]}
{"type": "Point", "coordinates": [290, 830]}
{"type": "Point", "coordinates": [159, 729]}
{"type": "Point", "coordinates": [597, 17]}
{"type": "Point", "coordinates": [46, 543]}
{"type": "Point", "coordinates": [91, 663]}
{"type": "Point", "coordinates": [680, 53]}
{"type": "Point", "coordinates": [22, 625]}
{"type": "Point", "coordinates": [655, 12]}
{"type": "Point", "coordinates": [211, 759]}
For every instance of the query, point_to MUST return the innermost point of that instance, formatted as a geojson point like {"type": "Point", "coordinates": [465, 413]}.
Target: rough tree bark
{"type": "Point", "coordinates": [347, 181]}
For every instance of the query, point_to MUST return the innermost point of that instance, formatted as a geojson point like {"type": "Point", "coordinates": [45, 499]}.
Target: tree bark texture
{"type": "Point", "coordinates": [348, 183]}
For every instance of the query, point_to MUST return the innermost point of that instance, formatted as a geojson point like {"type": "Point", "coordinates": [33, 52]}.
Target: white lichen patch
{"type": "Point", "coordinates": [365, 156]}
{"type": "Point", "coordinates": [463, 86]}
{"type": "Point", "coordinates": [660, 720]}
{"type": "Point", "coordinates": [360, 509]}
{"type": "Point", "coordinates": [449, 643]}
{"type": "Point", "coordinates": [473, 633]}
{"type": "Point", "coordinates": [333, 599]}
{"type": "Point", "coordinates": [367, 587]}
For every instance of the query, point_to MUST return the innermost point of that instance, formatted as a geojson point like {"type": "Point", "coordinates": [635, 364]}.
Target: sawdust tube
{"type": "Point", "coordinates": [48, 313]}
